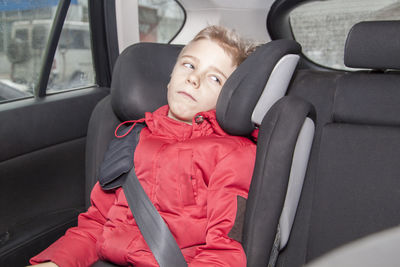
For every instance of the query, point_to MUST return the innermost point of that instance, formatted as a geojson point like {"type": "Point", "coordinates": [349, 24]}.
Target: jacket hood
{"type": "Point", "coordinates": [203, 124]}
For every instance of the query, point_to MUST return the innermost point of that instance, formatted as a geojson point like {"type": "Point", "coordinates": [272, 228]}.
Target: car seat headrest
{"type": "Point", "coordinates": [142, 72]}
{"type": "Point", "coordinates": [140, 77]}
{"type": "Point", "coordinates": [256, 85]}
{"type": "Point", "coordinates": [373, 45]}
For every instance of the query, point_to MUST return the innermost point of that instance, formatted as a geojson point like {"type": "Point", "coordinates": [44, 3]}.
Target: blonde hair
{"type": "Point", "coordinates": [236, 47]}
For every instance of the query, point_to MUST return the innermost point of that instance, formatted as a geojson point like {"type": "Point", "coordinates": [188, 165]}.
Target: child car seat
{"type": "Point", "coordinates": [139, 84]}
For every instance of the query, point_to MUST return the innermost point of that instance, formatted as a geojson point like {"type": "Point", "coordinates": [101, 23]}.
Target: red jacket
{"type": "Point", "coordinates": [193, 174]}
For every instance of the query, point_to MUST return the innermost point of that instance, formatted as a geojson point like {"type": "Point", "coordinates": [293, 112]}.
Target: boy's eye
{"type": "Point", "coordinates": [215, 79]}
{"type": "Point", "coordinates": [188, 65]}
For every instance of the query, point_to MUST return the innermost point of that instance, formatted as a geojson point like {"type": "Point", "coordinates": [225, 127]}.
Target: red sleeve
{"type": "Point", "coordinates": [230, 179]}
{"type": "Point", "coordinates": [78, 246]}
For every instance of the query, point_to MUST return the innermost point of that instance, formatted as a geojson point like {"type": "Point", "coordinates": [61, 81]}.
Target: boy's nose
{"type": "Point", "coordinates": [194, 80]}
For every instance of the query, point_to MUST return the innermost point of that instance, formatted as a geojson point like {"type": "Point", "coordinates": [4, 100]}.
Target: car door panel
{"type": "Point", "coordinates": [42, 170]}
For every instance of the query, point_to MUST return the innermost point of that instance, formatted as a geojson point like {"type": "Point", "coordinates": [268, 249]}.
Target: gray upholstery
{"type": "Point", "coordinates": [298, 170]}
{"type": "Point", "coordinates": [373, 45]}
{"type": "Point", "coordinates": [276, 86]}
{"type": "Point", "coordinates": [140, 78]}
{"type": "Point", "coordinates": [368, 98]}
{"type": "Point", "coordinates": [100, 132]}
{"type": "Point", "coordinates": [352, 186]}
{"type": "Point", "coordinates": [276, 144]}
{"type": "Point", "coordinates": [356, 191]}
{"type": "Point", "coordinates": [244, 87]}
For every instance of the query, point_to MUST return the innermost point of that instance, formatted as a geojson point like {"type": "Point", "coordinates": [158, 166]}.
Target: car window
{"type": "Point", "coordinates": [73, 65]}
{"type": "Point", "coordinates": [75, 39]}
{"type": "Point", "coordinates": [24, 32]}
{"type": "Point", "coordinates": [21, 34]}
{"type": "Point", "coordinates": [159, 20]}
{"type": "Point", "coordinates": [39, 36]}
{"type": "Point", "coordinates": [19, 59]}
{"type": "Point", "coordinates": [321, 27]}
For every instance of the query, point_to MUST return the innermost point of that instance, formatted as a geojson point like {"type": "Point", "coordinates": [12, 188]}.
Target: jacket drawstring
{"type": "Point", "coordinates": [130, 129]}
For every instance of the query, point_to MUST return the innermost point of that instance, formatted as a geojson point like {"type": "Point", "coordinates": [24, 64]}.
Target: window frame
{"type": "Point", "coordinates": [279, 27]}
{"type": "Point", "coordinates": [105, 33]}
{"type": "Point", "coordinates": [51, 47]}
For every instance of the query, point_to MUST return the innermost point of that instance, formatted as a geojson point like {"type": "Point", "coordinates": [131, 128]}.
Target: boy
{"type": "Point", "coordinates": [193, 172]}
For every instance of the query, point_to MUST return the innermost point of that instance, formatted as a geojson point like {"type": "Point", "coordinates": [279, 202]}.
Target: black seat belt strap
{"type": "Point", "coordinates": [118, 170]}
{"type": "Point", "coordinates": [152, 226]}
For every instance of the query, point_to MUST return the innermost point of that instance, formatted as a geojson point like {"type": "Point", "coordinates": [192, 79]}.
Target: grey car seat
{"type": "Point", "coordinates": [249, 93]}
{"type": "Point", "coordinates": [352, 186]}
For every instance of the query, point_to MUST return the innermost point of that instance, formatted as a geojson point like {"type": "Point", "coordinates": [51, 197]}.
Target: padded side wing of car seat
{"type": "Point", "coordinates": [276, 144]}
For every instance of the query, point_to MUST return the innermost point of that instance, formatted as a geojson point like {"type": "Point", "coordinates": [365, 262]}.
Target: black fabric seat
{"type": "Point", "coordinates": [255, 85]}
{"type": "Point", "coordinates": [352, 186]}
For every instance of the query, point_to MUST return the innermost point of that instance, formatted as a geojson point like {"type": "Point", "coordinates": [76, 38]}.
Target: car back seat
{"type": "Point", "coordinates": [139, 86]}
{"type": "Point", "coordinates": [352, 186]}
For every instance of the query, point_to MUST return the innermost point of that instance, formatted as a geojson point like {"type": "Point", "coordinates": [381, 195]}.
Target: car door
{"type": "Point", "coordinates": [44, 118]}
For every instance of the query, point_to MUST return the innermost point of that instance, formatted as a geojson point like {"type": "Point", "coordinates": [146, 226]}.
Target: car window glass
{"type": "Point", "coordinates": [21, 34]}
{"type": "Point", "coordinates": [20, 60]}
{"type": "Point", "coordinates": [72, 64]}
{"type": "Point", "coordinates": [24, 31]}
{"type": "Point", "coordinates": [39, 36]}
{"type": "Point", "coordinates": [321, 27]}
{"type": "Point", "coordinates": [159, 20]}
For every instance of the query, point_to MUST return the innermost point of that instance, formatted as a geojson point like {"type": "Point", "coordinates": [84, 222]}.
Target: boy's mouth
{"type": "Point", "coordinates": [187, 95]}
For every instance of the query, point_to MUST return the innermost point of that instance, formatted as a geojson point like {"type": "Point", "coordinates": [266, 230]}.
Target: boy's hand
{"type": "Point", "coordinates": [46, 264]}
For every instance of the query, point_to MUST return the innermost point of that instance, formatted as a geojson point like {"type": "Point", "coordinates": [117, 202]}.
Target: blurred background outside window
{"type": "Point", "coordinates": [24, 31]}
{"type": "Point", "coordinates": [159, 20]}
{"type": "Point", "coordinates": [321, 27]}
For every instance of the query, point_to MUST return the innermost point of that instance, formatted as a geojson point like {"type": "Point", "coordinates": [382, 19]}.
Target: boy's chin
{"type": "Point", "coordinates": [185, 119]}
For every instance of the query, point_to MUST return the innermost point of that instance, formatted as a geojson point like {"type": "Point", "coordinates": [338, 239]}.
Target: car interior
{"type": "Point", "coordinates": [325, 186]}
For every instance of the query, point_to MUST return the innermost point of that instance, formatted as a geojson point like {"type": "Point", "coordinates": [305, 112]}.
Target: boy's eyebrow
{"type": "Point", "coordinates": [212, 67]}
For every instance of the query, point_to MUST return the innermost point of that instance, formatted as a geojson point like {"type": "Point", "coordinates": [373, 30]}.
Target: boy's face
{"type": "Point", "coordinates": [197, 79]}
